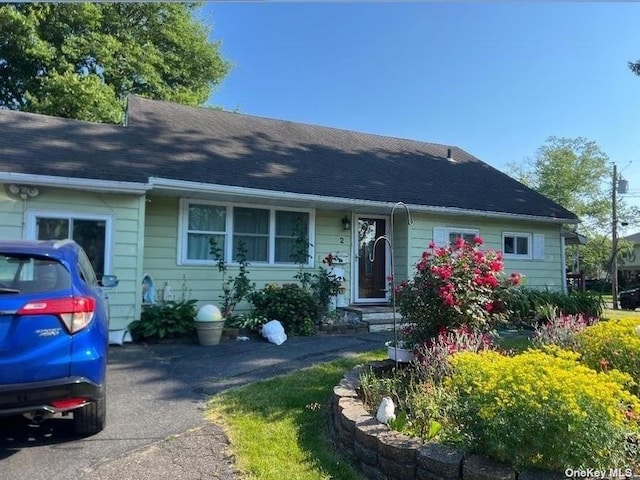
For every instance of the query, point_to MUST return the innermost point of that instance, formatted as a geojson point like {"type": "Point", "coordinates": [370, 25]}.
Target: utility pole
{"type": "Point", "coordinates": [614, 239]}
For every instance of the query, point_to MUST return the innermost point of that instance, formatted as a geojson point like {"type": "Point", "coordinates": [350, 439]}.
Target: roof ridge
{"type": "Point", "coordinates": [59, 119]}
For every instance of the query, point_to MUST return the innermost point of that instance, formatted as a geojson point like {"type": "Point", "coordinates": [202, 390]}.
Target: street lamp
{"type": "Point", "coordinates": [622, 186]}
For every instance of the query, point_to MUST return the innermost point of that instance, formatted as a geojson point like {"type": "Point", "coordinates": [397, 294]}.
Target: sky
{"type": "Point", "coordinates": [495, 79]}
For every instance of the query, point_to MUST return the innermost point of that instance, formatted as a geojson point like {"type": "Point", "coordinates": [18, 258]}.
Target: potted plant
{"type": "Point", "coordinates": [209, 325]}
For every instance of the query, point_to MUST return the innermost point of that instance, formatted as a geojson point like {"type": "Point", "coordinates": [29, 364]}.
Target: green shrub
{"type": "Point", "coordinates": [543, 409]}
{"type": "Point", "coordinates": [612, 344]}
{"type": "Point", "coordinates": [172, 319]}
{"type": "Point", "coordinates": [292, 305]}
{"type": "Point", "coordinates": [529, 306]}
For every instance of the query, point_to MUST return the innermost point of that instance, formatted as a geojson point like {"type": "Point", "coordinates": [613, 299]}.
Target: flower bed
{"type": "Point", "coordinates": [384, 454]}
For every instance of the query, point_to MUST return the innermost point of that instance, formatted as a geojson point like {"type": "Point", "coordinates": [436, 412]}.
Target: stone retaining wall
{"type": "Point", "coordinates": [384, 454]}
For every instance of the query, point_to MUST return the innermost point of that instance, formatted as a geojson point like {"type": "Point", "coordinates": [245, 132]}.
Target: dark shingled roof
{"type": "Point", "coordinates": [172, 141]}
{"type": "Point", "coordinates": [635, 238]}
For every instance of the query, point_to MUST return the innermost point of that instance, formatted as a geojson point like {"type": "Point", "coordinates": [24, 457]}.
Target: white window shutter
{"type": "Point", "coordinates": [538, 246]}
{"type": "Point", "coordinates": [440, 236]}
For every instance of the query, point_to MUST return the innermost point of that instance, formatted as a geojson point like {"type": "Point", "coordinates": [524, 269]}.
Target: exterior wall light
{"type": "Point", "coordinates": [346, 223]}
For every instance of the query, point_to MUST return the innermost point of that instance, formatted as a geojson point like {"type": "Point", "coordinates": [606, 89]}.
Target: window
{"type": "Point", "coordinates": [516, 245]}
{"type": "Point", "coordinates": [91, 232]}
{"type": "Point", "coordinates": [251, 226]}
{"type": "Point", "coordinates": [204, 222]}
{"type": "Point", "coordinates": [466, 235]}
{"type": "Point", "coordinates": [268, 234]}
{"type": "Point", "coordinates": [289, 225]}
{"type": "Point", "coordinates": [443, 236]}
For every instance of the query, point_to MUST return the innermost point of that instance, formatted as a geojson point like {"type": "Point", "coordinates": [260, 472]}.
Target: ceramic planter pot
{"type": "Point", "coordinates": [399, 353]}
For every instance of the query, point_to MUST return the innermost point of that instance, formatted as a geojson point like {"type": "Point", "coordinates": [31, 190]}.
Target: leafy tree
{"type": "Point", "coordinates": [635, 67]}
{"type": "Point", "coordinates": [81, 60]}
{"type": "Point", "coordinates": [575, 173]}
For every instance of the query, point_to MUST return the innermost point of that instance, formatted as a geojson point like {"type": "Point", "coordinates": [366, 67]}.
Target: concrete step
{"type": "Point", "coordinates": [378, 317]}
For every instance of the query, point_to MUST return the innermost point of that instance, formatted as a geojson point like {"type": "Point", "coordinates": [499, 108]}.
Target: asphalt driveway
{"type": "Point", "coordinates": [156, 396]}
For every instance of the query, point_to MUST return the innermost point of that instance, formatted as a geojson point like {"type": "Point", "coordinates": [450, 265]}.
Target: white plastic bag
{"type": "Point", "coordinates": [274, 332]}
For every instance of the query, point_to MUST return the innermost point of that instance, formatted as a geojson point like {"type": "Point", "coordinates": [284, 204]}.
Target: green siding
{"type": "Point", "coordinates": [126, 213]}
{"type": "Point", "coordinates": [11, 216]}
{"type": "Point", "coordinates": [332, 238]}
{"type": "Point", "coordinates": [542, 274]}
{"type": "Point", "coordinates": [203, 282]}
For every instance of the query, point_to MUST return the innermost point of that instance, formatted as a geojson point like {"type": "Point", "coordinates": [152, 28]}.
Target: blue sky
{"type": "Point", "coordinates": [495, 79]}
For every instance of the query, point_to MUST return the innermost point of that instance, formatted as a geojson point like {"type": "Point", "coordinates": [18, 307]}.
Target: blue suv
{"type": "Point", "coordinates": [54, 333]}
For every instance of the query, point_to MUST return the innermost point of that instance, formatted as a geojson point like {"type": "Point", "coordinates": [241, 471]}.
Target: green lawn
{"type": "Point", "coordinates": [610, 314]}
{"type": "Point", "coordinates": [278, 427]}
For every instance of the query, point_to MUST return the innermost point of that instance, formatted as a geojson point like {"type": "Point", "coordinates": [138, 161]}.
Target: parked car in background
{"type": "Point", "coordinates": [54, 333]}
{"type": "Point", "coordinates": [629, 299]}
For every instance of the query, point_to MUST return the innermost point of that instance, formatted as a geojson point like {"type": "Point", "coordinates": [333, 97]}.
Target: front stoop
{"type": "Point", "coordinates": [378, 317]}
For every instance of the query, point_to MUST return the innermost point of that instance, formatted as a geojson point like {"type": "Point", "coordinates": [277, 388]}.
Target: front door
{"type": "Point", "coordinates": [371, 279]}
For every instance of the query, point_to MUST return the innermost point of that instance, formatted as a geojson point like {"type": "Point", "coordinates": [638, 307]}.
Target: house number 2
{"type": "Point", "coordinates": [341, 239]}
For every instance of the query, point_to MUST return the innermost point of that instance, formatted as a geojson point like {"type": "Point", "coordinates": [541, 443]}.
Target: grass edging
{"type": "Point", "coordinates": [278, 428]}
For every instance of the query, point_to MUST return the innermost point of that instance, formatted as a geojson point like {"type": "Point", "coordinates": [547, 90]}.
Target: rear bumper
{"type": "Point", "coordinates": [28, 397]}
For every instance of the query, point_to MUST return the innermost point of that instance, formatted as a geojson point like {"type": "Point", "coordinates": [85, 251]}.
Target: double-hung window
{"type": "Point", "coordinates": [204, 222]}
{"type": "Point", "coordinates": [268, 235]}
{"type": "Point", "coordinates": [251, 227]}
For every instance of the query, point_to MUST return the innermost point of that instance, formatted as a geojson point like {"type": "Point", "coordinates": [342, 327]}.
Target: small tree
{"type": "Point", "coordinates": [234, 289]}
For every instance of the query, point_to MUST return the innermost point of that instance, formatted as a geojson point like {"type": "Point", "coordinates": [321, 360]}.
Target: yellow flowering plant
{"type": "Point", "coordinates": [543, 408]}
{"type": "Point", "coordinates": [612, 344]}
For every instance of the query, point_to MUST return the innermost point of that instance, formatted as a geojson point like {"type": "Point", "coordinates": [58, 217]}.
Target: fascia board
{"type": "Point", "coordinates": [73, 183]}
{"type": "Point", "coordinates": [336, 202]}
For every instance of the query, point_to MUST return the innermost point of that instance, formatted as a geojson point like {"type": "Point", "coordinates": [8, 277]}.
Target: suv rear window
{"type": "Point", "coordinates": [31, 274]}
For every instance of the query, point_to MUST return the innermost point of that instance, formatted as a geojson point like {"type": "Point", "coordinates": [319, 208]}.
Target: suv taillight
{"type": "Point", "coordinates": [75, 312]}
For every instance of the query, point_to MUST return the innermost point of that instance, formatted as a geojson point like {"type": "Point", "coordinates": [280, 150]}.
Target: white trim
{"type": "Point", "coordinates": [355, 262]}
{"type": "Point", "coordinates": [537, 249]}
{"type": "Point", "coordinates": [441, 234]}
{"type": "Point", "coordinates": [517, 235]}
{"type": "Point", "coordinates": [181, 186]}
{"type": "Point", "coordinates": [32, 214]}
{"type": "Point", "coordinates": [91, 184]}
{"type": "Point", "coordinates": [229, 233]}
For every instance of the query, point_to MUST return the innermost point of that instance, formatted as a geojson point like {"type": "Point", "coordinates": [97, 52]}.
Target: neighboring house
{"type": "Point", "coordinates": [629, 263]}
{"type": "Point", "coordinates": [144, 198]}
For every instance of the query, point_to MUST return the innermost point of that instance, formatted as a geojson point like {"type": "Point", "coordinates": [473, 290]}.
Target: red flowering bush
{"type": "Point", "coordinates": [454, 286]}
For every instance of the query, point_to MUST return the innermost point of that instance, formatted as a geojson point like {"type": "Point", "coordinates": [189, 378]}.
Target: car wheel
{"type": "Point", "coordinates": [91, 418]}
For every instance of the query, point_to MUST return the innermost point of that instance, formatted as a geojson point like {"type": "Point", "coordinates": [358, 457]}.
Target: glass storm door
{"type": "Point", "coordinates": [371, 281]}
